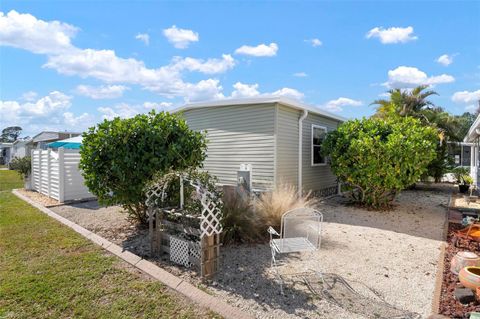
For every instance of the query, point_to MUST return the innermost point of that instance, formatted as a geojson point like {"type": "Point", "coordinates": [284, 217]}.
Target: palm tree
{"type": "Point", "coordinates": [405, 102]}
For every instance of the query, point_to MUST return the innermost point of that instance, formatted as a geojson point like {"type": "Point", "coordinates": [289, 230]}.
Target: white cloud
{"type": "Point", "coordinates": [47, 113]}
{"type": "Point", "coordinates": [106, 66]}
{"type": "Point", "coordinates": [245, 90]}
{"type": "Point", "coordinates": [392, 35]}
{"type": "Point", "coordinates": [210, 66]}
{"type": "Point", "coordinates": [466, 97]}
{"type": "Point", "coordinates": [445, 59]}
{"type": "Point", "coordinates": [125, 110]}
{"type": "Point", "coordinates": [289, 92]}
{"type": "Point", "coordinates": [167, 80]}
{"type": "Point", "coordinates": [122, 110]}
{"type": "Point", "coordinates": [101, 92]}
{"type": "Point", "coordinates": [314, 42]}
{"type": "Point", "coordinates": [338, 104]}
{"type": "Point", "coordinates": [24, 31]}
{"type": "Point", "coordinates": [29, 96]}
{"type": "Point", "coordinates": [144, 37]}
{"type": "Point", "coordinates": [300, 74]}
{"type": "Point", "coordinates": [73, 121]}
{"type": "Point", "coordinates": [180, 38]}
{"type": "Point", "coordinates": [409, 77]}
{"type": "Point", "coordinates": [259, 50]}
{"type": "Point", "coordinates": [242, 90]}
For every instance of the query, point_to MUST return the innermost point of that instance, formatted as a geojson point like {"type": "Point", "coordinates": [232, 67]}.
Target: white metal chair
{"type": "Point", "coordinates": [301, 231]}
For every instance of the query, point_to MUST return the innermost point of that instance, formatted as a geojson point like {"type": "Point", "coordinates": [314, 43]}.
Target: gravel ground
{"type": "Point", "coordinates": [396, 253]}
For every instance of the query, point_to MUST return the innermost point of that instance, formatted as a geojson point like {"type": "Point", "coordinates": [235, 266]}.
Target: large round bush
{"type": "Point", "coordinates": [380, 157]}
{"type": "Point", "coordinates": [120, 156]}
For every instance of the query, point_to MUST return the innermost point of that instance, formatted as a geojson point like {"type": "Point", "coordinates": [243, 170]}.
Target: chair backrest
{"type": "Point", "coordinates": [302, 222]}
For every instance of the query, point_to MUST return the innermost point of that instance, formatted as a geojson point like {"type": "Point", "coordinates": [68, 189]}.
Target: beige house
{"type": "Point", "coordinates": [280, 138]}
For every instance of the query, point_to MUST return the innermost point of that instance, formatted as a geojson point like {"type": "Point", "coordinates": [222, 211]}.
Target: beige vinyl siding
{"type": "Point", "coordinates": [287, 145]}
{"type": "Point", "coordinates": [315, 177]}
{"type": "Point", "coordinates": [237, 135]}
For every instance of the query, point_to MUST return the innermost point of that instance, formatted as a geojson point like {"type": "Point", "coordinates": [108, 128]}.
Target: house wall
{"type": "Point", "coordinates": [238, 134]}
{"type": "Point", "coordinates": [21, 149]}
{"type": "Point", "coordinates": [316, 178]}
{"type": "Point", "coordinates": [287, 144]}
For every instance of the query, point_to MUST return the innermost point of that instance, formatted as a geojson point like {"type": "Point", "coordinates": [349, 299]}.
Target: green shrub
{"type": "Point", "coordinates": [120, 156]}
{"type": "Point", "coordinates": [22, 165]}
{"type": "Point", "coordinates": [379, 158]}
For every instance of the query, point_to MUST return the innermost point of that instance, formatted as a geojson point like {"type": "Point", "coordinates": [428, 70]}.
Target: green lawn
{"type": "Point", "coordinates": [10, 180]}
{"type": "Point", "coordinates": [49, 271]}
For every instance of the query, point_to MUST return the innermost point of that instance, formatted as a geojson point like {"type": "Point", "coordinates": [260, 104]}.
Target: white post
{"type": "Point", "coordinates": [61, 175]}
{"type": "Point", "coordinates": [49, 172]}
{"type": "Point", "coordinates": [40, 168]}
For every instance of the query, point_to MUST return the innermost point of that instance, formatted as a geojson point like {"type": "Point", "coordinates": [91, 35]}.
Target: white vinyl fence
{"type": "Point", "coordinates": [56, 174]}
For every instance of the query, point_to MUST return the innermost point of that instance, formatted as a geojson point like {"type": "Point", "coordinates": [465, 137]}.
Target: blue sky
{"type": "Point", "coordinates": [67, 65]}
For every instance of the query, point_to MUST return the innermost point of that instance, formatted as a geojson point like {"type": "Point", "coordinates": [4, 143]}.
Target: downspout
{"type": "Point", "coordinates": [300, 151]}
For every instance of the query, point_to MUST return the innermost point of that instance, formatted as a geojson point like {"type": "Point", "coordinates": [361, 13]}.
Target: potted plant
{"type": "Point", "coordinates": [23, 166]}
{"type": "Point", "coordinates": [464, 180]}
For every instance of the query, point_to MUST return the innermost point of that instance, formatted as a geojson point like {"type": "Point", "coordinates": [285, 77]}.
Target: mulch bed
{"type": "Point", "coordinates": [448, 305]}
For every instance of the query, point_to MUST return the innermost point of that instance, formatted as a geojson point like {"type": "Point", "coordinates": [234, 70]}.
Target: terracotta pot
{"type": "Point", "coordinates": [470, 277]}
{"type": "Point", "coordinates": [463, 259]}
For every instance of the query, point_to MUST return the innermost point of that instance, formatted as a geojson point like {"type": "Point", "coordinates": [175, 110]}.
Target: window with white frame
{"type": "Point", "coordinates": [318, 136]}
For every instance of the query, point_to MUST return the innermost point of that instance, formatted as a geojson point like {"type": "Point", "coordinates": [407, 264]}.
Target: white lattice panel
{"type": "Point", "coordinates": [179, 251]}
{"type": "Point", "coordinates": [211, 215]}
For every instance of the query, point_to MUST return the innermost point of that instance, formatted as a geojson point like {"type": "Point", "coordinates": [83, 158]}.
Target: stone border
{"type": "Point", "coordinates": [437, 293]}
{"type": "Point", "coordinates": [177, 284]}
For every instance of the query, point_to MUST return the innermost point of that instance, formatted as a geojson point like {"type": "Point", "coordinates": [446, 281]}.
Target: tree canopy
{"type": "Point", "coordinates": [120, 156]}
{"type": "Point", "coordinates": [10, 134]}
{"type": "Point", "coordinates": [380, 157]}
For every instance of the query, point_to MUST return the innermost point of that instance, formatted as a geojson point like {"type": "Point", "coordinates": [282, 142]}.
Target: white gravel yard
{"type": "Point", "coordinates": [395, 253]}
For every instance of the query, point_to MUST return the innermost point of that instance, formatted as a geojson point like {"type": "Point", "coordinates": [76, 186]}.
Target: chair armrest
{"type": "Point", "coordinates": [272, 231]}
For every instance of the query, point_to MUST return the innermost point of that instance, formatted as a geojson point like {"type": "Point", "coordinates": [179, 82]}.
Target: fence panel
{"type": "Point", "coordinates": [56, 174]}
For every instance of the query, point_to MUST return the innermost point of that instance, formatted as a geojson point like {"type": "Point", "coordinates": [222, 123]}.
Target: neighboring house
{"type": "Point", "coordinates": [21, 148]}
{"type": "Point", "coordinates": [40, 141]}
{"type": "Point", "coordinates": [5, 153]}
{"type": "Point", "coordinates": [280, 138]}
{"type": "Point", "coordinates": [473, 140]}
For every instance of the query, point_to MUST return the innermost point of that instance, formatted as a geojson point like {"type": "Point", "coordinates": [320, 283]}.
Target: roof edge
{"type": "Point", "coordinates": [261, 100]}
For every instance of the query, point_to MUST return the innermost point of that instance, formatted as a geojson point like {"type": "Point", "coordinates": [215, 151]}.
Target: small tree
{"type": "Point", "coordinates": [10, 134]}
{"type": "Point", "coordinates": [23, 166]}
{"type": "Point", "coordinates": [379, 158]}
{"type": "Point", "coordinates": [120, 156]}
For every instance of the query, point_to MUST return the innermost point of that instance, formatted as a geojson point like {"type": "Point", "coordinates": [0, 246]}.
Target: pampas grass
{"type": "Point", "coordinates": [270, 206]}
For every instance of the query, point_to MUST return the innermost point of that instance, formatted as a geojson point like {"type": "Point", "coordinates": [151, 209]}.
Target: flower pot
{"type": "Point", "coordinates": [463, 188]}
{"type": "Point", "coordinates": [28, 182]}
{"type": "Point", "coordinates": [470, 277]}
{"type": "Point", "coordinates": [463, 259]}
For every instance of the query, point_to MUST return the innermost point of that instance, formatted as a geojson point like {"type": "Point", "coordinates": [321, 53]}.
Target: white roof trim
{"type": "Point", "coordinates": [262, 100]}
{"type": "Point", "coordinates": [472, 134]}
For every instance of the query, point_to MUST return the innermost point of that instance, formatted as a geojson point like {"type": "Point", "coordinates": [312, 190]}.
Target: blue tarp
{"type": "Point", "coordinates": [69, 143]}
{"type": "Point", "coordinates": [65, 145]}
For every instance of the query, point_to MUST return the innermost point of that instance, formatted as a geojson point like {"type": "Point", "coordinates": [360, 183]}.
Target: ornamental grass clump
{"type": "Point", "coordinates": [240, 223]}
{"type": "Point", "coordinates": [380, 157]}
{"type": "Point", "coordinates": [270, 206]}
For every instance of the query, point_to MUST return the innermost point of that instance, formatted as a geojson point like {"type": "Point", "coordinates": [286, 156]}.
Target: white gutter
{"type": "Point", "coordinates": [300, 150]}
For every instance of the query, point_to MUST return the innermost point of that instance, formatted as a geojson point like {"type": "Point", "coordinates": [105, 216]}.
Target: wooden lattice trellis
{"type": "Point", "coordinates": [191, 239]}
